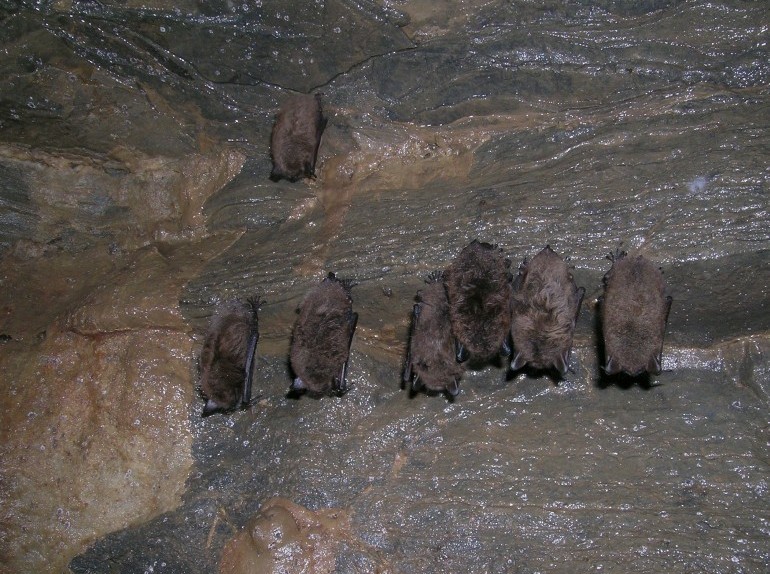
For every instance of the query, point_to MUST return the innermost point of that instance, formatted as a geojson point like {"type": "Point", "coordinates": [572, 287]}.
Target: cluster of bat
{"type": "Point", "coordinates": [326, 317]}
{"type": "Point", "coordinates": [471, 313]}
{"type": "Point", "coordinates": [319, 350]}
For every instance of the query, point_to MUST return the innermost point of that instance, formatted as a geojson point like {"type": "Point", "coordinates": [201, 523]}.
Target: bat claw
{"type": "Point", "coordinates": [609, 368]}
{"type": "Point", "coordinates": [654, 365]}
{"type": "Point", "coordinates": [461, 353]}
{"type": "Point", "coordinates": [518, 362]}
{"type": "Point", "coordinates": [210, 408]}
{"type": "Point", "coordinates": [562, 364]}
{"type": "Point", "coordinates": [340, 386]}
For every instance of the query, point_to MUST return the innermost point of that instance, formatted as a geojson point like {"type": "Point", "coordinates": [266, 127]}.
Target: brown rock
{"type": "Point", "coordinates": [286, 537]}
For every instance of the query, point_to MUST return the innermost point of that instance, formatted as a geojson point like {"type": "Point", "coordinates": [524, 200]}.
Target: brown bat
{"type": "Point", "coordinates": [322, 336]}
{"type": "Point", "coordinates": [430, 361]}
{"type": "Point", "coordinates": [546, 303]}
{"type": "Point", "coordinates": [634, 310]}
{"type": "Point", "coordinates": [478, 286]}
{"type": "Point", "coordinates": [227, 357]}
{"type": "Point", "coordinates": [296, 137]}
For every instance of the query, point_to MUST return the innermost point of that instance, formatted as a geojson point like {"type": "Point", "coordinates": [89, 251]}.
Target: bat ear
{"type": "Point", "coordinates": [210, 408]}
{"type": "Point", "coordinates": [298, 384]}
{"type": "Point", "coordinates": [518, 362]}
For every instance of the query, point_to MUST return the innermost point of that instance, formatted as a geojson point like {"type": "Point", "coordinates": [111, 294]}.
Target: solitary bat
{"type": "Point", "coordinates": [227, 357]}
{"type": "Point", "coordinates": [546, 303]}
{"type": "Point", "coordinates": [296, 137]}
{"type": "Point", "coordinates": [430, 361]}
{"type": "Point", "coordinates": [322, 337]}
{"type": "Point", "coordinates": [478, 286]}
{"type": "Point", "coordinates": [634, 312]}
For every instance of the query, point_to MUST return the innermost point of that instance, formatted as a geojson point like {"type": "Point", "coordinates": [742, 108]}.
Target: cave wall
{"type": "Point", "coordinates": [134, 155]}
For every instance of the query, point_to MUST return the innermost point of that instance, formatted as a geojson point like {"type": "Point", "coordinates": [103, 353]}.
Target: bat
{"type": "Point", "coordinates": [227, 357]}
{"type": "Point", "coordinates": [634, 311]}
{"type": "Point", "coordinates": [322, 337]}
{"type": "Point", "coordinates": [478, 287]}
{"type": "Point", "coordinates": [430, 361]}
{"type": "Point", "coordinates": [546, 304]}
{"type": "Point", "coordinates": [295, 138]}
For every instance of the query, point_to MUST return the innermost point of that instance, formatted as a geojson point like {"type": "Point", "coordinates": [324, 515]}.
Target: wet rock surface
{"type": "Point", "coordinates": [134, 196]}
